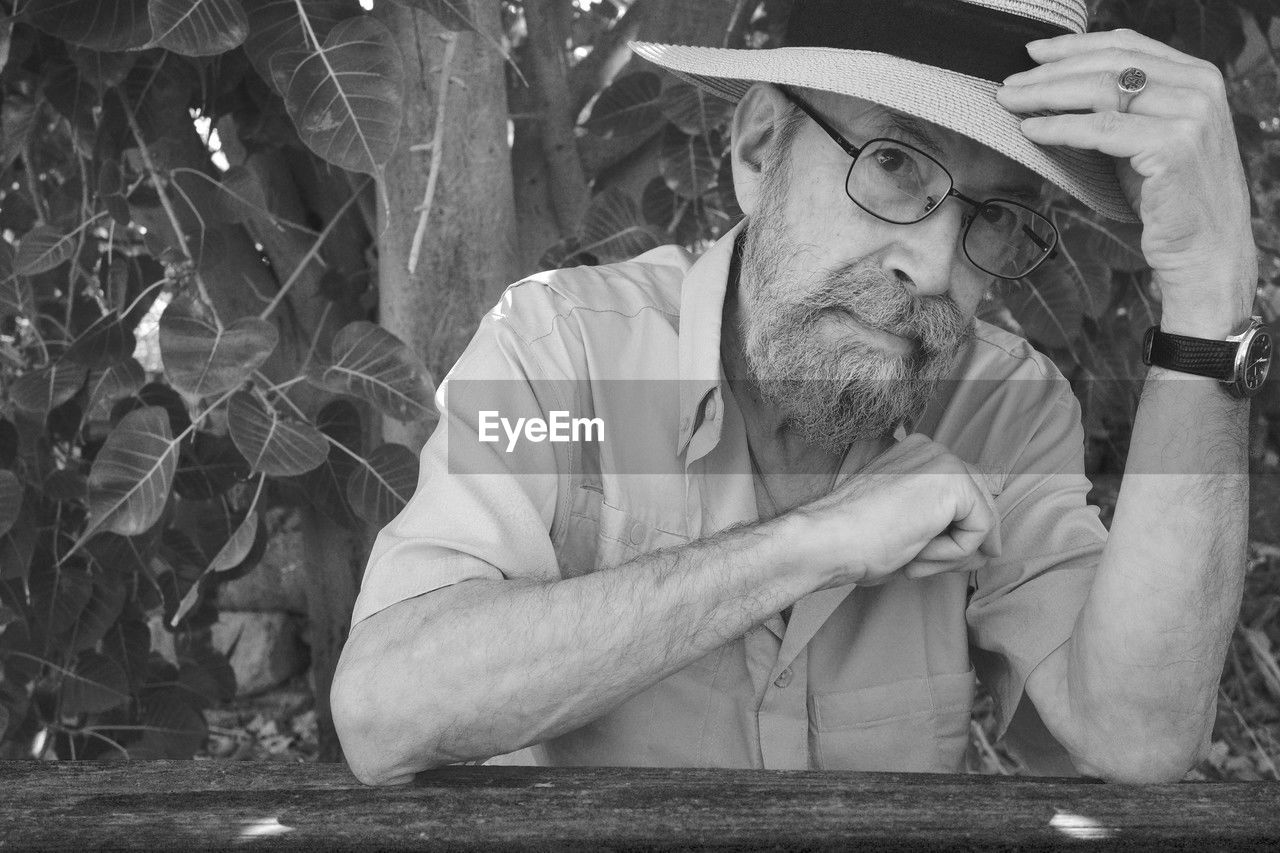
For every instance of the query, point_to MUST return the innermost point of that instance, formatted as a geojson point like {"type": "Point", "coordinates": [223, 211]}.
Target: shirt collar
{"type": "Point", "coordinates": [701, 316]}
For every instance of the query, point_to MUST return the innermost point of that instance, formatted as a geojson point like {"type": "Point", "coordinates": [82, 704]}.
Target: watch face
{"type": "Point", "coordinates": [1257, 361]}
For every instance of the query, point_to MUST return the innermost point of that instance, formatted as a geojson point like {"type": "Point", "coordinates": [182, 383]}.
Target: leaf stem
{"type": "Point", "coordinates": [222, 187]}
{"type": "Point", "coordinates": [312, 252]}
{"type": "Point", "coordinates": [437, 146]}
{"type": "Point", "coordinates": [92, 732]}
{"type": "Point", "coordinates": [306, 23]}
{"type": "Point", "coordinates": [277, 389]}
{"type": "Point", "coordinates": [143, 295]}
{"type": "Point", "coordinates": [165, 201]}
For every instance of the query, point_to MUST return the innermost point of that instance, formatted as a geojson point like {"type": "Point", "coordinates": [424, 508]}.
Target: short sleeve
{"type": "Point", "coordinates": [1025, 603]}
{"type": "Point", "coordinates": [481, 509]}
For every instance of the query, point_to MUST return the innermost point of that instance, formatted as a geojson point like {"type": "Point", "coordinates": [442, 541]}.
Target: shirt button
{"type": "Point", "coordinates": [637, 534]}
{"type": "Point", "coordinates": [783, 679]}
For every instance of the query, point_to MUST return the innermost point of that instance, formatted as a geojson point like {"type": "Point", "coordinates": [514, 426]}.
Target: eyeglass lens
{"type": "Point", "coordinates": [901, 184]}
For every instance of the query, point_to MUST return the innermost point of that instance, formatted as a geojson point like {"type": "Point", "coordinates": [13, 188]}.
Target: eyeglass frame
{"type": "Point", "coordinates": [855, 151]}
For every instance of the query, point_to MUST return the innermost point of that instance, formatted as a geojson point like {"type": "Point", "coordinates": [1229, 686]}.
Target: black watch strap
{"type": "Point", "coordinates": [1214, 359]}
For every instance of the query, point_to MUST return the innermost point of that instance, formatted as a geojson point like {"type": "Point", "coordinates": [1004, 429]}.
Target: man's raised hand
{"type": "Point", "coordinates": [1176, 157]}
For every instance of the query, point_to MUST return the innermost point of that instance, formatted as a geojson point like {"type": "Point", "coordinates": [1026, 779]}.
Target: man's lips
{"type": "Point", "coordinates": [885, 340]}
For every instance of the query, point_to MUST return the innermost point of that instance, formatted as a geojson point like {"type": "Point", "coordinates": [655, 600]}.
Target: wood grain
{"type": "Point", "coordinates": [201, 805]}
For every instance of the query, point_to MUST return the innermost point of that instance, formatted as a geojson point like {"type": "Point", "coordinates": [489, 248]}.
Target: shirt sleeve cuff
{"type": "Point", "coordinates": [386, 588]}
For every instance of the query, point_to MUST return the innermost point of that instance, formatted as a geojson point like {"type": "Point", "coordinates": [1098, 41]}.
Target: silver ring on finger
{"type": "Point", "coordinates": [1129, 84]}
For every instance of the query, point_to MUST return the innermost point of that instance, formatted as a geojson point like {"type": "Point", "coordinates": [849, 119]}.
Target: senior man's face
{"type": "Point", "coordinates": [847, 321]}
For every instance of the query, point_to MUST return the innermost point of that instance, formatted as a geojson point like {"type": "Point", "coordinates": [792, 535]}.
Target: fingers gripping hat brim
{"type": "Point", "coordinates": [947, 98]}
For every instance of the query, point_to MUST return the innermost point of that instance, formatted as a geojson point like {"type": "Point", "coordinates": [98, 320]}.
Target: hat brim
{"type": "Point", "coordinates": [952, 100]}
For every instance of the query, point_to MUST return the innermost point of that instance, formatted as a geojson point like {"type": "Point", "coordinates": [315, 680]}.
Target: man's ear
{"type": "Point", "coordinates": [755, 127]}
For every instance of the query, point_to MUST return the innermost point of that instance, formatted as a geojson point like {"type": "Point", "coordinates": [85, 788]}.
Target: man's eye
{"type": "Point", "coordinates": [996, 215]}
{"type": "Point", "coordinates": [895, 160]}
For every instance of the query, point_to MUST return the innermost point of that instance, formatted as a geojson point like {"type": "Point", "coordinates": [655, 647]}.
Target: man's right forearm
{"type": "Point", "coordinates": [486, 667]}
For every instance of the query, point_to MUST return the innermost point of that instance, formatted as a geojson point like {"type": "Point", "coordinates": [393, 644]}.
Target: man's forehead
{"type": "Point", "coordinates": [864, 118]}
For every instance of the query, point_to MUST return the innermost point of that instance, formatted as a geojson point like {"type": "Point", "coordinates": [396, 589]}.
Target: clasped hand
{"type": "Point", "coordinates": [915, 509]}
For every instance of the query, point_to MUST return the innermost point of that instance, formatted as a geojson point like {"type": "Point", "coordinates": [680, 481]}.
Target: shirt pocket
{"type": "Point", "coordinates": [623, 536]}
{"type": "Point", "coordinates": [918, 724]}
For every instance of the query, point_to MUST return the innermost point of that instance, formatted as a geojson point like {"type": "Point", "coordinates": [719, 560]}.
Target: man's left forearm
{"type": "Point", "coordinates": [1135, 685]}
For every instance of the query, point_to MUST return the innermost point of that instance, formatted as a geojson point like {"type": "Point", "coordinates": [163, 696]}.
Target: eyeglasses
{"type": "Point", "coordinates": [899, 183]}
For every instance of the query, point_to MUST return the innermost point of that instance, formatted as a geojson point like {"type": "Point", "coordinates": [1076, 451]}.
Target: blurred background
{"type": "Point", "coordinates": [242, 240]}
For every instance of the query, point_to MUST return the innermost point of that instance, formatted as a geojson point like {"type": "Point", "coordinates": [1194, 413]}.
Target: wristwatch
{"type": "Point", "coordinates": [1241, 362]}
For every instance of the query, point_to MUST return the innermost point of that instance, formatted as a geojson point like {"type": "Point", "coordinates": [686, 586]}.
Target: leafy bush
{"type": "Point", "coordinates": [129, 487]}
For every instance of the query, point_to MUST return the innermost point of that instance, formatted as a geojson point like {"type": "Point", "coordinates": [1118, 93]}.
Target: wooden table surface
{"type": "Point", "coordinates": [205, 804]}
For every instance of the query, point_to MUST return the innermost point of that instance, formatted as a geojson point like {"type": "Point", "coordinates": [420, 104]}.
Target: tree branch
{"type": "Point", "coordinates": [437, 143]}
{"type": "Point", "coordinates": [568, 181]}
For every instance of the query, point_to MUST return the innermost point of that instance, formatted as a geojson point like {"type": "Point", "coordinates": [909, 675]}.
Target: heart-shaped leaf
{"type": "Point", "coordinates": [667, 211]}
{"type": "Point", "coordinates": [96, 683]}
{"type": "Point", "coordinates": [326, 487]}
{"type": "Point", "coordinates": [128, 643]}
{"type": "Point", "coordinates": [694, 110]}
{"type": "Point", "coordinates": [97, 24]}
{"type": "Point", "coordinates": [209, 467]}
{"type": "Point", "coordinates": [690, 164]}
{"type": "Point", "coordinates": [155, 394]}
{"type": "Point", "coordinates": [1091, 275]}
{"type": "Point", "coordinates": [15, 292]}
{"type": "Point", "coordinates": [381, 486]}
{"type": "Point", "coordinates": [18, 546]}
{"type": "Point", "coordinates": [201, 360]}
{"type": "Point", "coordinates": [114, 383]}
{"type": "Point", "coordinates": [132, 474]}
{"type": "Point", "coordinates": [1047, 305]}
{"type": "Point", "coordinates": [347, 98]}
{"type": "Point", "coordinates": [233, 553]}
{"type": "Point", "coordinates": [41, 390]}
{"type": "Point", "coordinates": [273, 445]}
{"type": "Point", "coordinates": [613, 228]}
{"type": "Point", "coordinates": [371, 363]}
{"type": "Point", "coordinates": [198, 27]}
{"type": "Point", "coordinates": [229, 556]}
{"type": "Point", "coordinates": [631, 104]}
{"type": "Point", "coordinates": [10, 500]}
{"type": "Point", "coordinates": [59, 595]}
{"type": "Point", "coordinates": [17, 117]}
{"type": "Point", "coordinates": [106, 342]}
{"type": "Point", "coordinates": [1117, 244]}
{"type": "Point", "coordinates": [274, 25]}
{"type": "Point", "coordinates": [101, 612]}
{"type": "Point", "coordinates": [43, 248]}
{"type": "Point", "coordinates": [172, 727]}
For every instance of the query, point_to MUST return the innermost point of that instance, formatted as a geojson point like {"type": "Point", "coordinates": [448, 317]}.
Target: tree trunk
{"type": "Point", "coordinates": [468, 252]}
{"type": "Point", "coordinates": [334, 558]}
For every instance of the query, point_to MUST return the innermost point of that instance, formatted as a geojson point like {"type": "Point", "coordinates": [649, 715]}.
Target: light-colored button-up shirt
{"type": "Point", "coordinates": [868, 678]}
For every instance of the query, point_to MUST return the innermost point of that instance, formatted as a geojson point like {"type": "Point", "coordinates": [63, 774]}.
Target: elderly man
{"type": "Point", "coordinates": [794, 547]}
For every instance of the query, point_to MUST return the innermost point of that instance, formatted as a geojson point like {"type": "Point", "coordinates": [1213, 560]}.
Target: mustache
{"type": "Point", "coordinates": [879, 300]}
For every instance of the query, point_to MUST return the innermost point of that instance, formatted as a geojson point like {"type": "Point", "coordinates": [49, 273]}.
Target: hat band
{"type": "Point", "coordinates": [963, 37]}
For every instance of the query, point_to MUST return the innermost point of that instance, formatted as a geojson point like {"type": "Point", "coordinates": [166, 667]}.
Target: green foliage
{"type": "Point", "coordinates": [148, 417]}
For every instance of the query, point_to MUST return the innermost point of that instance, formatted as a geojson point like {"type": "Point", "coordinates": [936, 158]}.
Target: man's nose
{"type": "Point", "coordinates": [925, 254]}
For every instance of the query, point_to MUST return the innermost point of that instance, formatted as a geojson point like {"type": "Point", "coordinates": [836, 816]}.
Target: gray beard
{"type": "Point", "coordinates": [832, 394]}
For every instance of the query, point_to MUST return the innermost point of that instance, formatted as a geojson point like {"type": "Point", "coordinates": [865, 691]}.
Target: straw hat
{"type": "Point", "coordinates": [939, 60]}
